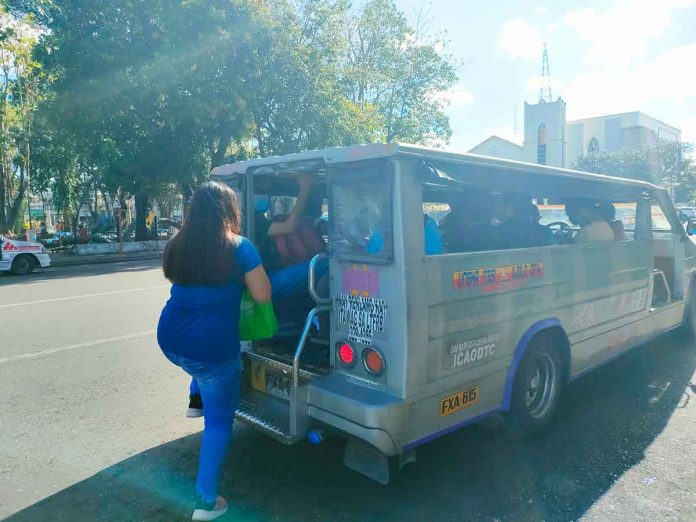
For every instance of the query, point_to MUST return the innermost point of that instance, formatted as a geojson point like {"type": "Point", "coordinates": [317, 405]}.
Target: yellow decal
{"type": "Point", "coordinates": [459, 401]}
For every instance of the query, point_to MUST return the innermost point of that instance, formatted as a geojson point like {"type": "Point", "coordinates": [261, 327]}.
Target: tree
{"type": "Point", "coordinates": [153, 88]}
{"type": "Point", "coordinates": [20, 78]}
{"type": "Point", "coordinates": [397, 69]}
{"type": "Point", "coordinates": [667, 163]}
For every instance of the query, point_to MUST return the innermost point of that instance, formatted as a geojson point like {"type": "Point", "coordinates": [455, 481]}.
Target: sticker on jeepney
{"type": "Point", "coordinates": [468, 352]}
{"type": "Point", "coordinates": [364, 316]}
{"type": "Point", "coordinates": [497, 277]}
{"type": "Point", "coordinates": [459, 401]}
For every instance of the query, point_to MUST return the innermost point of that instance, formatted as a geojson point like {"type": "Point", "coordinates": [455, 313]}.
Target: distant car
{"type": "Point", "coordinates": [685, 213]}
{"type": "Point", "coordinates": [21, 257]}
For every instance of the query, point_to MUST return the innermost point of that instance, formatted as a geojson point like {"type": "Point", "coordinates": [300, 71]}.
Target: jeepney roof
{"type": "Point", "coordinates": [337, 155]}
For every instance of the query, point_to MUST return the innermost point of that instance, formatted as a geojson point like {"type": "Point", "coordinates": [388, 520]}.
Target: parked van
{"type": "Point", "coordinates": [21, 257]}
{"type": "Point", "coordinates": [497, 321]}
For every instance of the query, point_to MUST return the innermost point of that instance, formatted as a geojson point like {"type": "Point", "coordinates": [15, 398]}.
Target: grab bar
{"type": "Point", "coordinates": [303, 340]}
{"type": "Point", "coordinates": [311, 281]}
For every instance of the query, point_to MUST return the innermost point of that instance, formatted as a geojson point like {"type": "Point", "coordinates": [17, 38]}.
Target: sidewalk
{"type": "Point", "coordinates": [60, 259]}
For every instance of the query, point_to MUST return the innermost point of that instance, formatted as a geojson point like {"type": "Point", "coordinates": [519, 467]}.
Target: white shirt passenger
{"type": "Point", "coordinates": [595, 231]}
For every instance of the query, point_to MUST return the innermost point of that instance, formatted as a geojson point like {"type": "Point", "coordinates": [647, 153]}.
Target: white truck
{"type": "Point", "coordinates": [21, 257]}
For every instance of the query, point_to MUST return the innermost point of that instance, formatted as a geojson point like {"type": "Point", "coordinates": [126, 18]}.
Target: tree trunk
{"type": "Point", "coordinates": [141, 202]}
{"type": "Point", "coordinates": [3, 200]}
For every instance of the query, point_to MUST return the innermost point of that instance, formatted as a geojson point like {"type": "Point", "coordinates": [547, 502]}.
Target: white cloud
{"type": "Point", "coordinates": [623, 33]}
{"type": "Point", "coordinates": [520, 40]}
{"type": "Point", "coordinates": [669, 77]}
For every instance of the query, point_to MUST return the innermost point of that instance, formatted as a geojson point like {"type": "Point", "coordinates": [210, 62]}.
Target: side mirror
{"type": "Point", "coordinates": [691, 226]}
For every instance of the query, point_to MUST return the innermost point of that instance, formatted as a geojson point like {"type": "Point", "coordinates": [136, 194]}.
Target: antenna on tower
{"type": "Point", "coordinates": [545, 90]}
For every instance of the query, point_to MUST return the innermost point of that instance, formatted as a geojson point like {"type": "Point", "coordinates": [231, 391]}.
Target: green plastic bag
{"type": "Point", "coordinates": [257, 320]}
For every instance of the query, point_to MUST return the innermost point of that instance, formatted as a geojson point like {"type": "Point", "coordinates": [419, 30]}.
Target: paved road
{"type": "Point", "coordinates": [92, 428]}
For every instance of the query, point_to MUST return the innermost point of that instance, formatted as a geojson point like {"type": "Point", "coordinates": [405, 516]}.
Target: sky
{"type": "Point", "coordinates": [605, 57]}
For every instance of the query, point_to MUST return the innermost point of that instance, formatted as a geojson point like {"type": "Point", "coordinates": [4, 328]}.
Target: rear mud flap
{"type": "Point", "coordinates": [371, 462]}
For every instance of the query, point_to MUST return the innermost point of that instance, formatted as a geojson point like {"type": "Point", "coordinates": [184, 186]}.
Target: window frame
{"type": "Point", "coordinates": [386, 175]}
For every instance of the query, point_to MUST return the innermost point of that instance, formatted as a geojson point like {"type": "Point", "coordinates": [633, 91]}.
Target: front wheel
{"type": "Point", "coordinates": [22, 265]}
{"type": "Point", "coordinates": [537, 387]}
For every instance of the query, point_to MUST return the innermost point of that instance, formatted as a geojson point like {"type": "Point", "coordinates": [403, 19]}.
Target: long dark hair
{"type": "Point", "coordinates": [202, 253]}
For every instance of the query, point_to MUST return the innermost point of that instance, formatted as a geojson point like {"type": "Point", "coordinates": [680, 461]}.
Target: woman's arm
{"type": "Point", "coordinates": [258, 284]}
{"type": "Point", "coordinates": [304, 182]}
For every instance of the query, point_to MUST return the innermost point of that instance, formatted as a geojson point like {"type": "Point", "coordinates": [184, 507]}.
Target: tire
{"type": "Point", "coordinates": [23, 265]}
{"type": "Point", "coordinates": [537, 388]}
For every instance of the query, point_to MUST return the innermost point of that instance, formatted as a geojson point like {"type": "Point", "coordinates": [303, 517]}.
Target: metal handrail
{"type": "Point", "coordinates": [303, 341]}
{"type": "Point", "coordinates": [311, 281]}
{"type": "Point", "coordinates": [663, 278]}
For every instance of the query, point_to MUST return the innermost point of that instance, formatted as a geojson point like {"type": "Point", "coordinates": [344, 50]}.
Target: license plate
{"type": "Point", "coordinates": [267, 380]}
{"type": "Point", "coordinates": [458, 401]}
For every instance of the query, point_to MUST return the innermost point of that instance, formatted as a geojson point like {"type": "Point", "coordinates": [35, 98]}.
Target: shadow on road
{"type": "Point", "coordinates": [608, 420]}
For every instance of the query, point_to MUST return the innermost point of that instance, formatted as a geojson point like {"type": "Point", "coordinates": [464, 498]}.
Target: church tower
{"type": "Point", "coordinates": [545, 125]}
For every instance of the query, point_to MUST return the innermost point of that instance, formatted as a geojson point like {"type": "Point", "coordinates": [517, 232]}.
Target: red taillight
{"type": "Point", "coordinates": [374, 362]}
{"type": "Point", "coordinates": [346, 354]}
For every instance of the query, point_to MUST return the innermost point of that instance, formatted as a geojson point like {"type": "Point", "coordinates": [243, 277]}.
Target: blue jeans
{"type": "Point", "coordinates": [218, 384]}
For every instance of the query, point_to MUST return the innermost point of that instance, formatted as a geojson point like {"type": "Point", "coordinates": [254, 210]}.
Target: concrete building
{"type": "Point", "coordinates": [499, 148]}
{"type": "Point", "coordinates": [615, 132]}
{"type": "Point", "coordinates": [550, 140]}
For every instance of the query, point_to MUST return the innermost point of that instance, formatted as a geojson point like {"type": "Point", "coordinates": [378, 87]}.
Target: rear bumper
{"type": "Point", "coordinates": [44, 260]}
{"type": "Point", "coordinates": [370, 415]}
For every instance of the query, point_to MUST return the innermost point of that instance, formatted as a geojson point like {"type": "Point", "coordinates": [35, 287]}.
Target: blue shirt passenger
{"type": "Point", "coordinates": [202, 321]}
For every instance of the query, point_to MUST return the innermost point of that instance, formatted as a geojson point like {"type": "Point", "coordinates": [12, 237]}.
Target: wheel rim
{"type": "Point", "coordinates": [22, 265]}
{"type": "Point", "coordinates": [541, 384]}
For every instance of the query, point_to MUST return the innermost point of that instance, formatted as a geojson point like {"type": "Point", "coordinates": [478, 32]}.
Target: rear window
{"type": "Point", "coordinates": [361, 212]}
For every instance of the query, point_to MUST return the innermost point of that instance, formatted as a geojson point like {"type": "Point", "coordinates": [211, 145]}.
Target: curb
{"type": "Point", "coordinates": [101, 260]}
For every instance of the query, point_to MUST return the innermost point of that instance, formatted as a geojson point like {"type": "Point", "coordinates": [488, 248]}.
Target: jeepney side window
{"type": "Point", "coordinates": [660, 223]}
{"type": "Point", "coordinates": [361, 213]}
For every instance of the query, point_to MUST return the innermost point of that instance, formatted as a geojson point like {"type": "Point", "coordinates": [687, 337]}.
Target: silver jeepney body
{"type": "Point", "coordinates": [452, 328]}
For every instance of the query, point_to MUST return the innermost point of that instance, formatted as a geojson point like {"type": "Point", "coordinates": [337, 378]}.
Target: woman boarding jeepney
{"type": "Point", "coordinates": [209, 264]}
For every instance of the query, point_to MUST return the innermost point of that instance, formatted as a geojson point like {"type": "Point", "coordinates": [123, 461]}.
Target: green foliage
{"type": "Point", "coordinates": [139, 96]}
{"type": "Point", "coordinates": [21, 78]}
{"type": "Point", "coordinates": [668, 164]}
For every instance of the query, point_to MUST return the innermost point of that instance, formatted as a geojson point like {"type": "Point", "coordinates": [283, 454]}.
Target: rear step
{"type": "Point", "coordinates": [277, 407]}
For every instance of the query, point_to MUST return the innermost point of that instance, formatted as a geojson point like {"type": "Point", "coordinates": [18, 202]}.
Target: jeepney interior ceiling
{"type": "Point", "coordinates": [523, 181]}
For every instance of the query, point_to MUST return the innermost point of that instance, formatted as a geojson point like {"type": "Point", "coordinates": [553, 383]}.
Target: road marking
{"type": "Point", "coordinates": [75, 346]}
{"type": "Point", "coordinates": [99, 294]}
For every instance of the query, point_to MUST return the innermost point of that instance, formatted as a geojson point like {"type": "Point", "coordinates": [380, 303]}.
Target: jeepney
{"type": "Point", "coordinates": [421, 345]}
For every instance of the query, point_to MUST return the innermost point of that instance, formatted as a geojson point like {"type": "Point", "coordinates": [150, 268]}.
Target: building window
{"type": "Point", "coordinates": [593, 147]}
{"type": "Point", "coordinates": [541, 145]}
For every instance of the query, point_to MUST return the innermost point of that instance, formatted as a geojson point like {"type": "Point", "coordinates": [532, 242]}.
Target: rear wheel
{"type": "Point", "coordinates": [23, 265]}
{"type": "Point", "coordinates": [537, 387]}
{"type": "Point", "coordinates": [689, 324]}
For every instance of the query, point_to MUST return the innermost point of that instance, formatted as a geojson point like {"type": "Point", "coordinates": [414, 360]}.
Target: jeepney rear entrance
{"type": "Point", "coordinates": [329, 367]}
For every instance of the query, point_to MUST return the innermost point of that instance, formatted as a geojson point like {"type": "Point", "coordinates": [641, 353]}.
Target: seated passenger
{"type": "Point", "coordinates": [468, 228]}
{"type": "Point", "coordinates": [520, 226]}
{"type": "Point", "coordinates": [287, 245]}
{"type": "Point", "coordinates": [588, 214]}
{"type": "Point", "coordinates": [433, 237]}
{"type": "Point", "coordinates": [608, 210]}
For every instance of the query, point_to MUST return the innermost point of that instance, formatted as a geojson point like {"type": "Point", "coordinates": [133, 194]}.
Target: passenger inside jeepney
{"type": "Point", "coordinates": [468, 227]}
{"type": "Point", "coordinates": [287, 242]}
{"type": "Point", "coordinates": [588, 214]}
{"type": "Point", "coordinates": [520, 227]}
